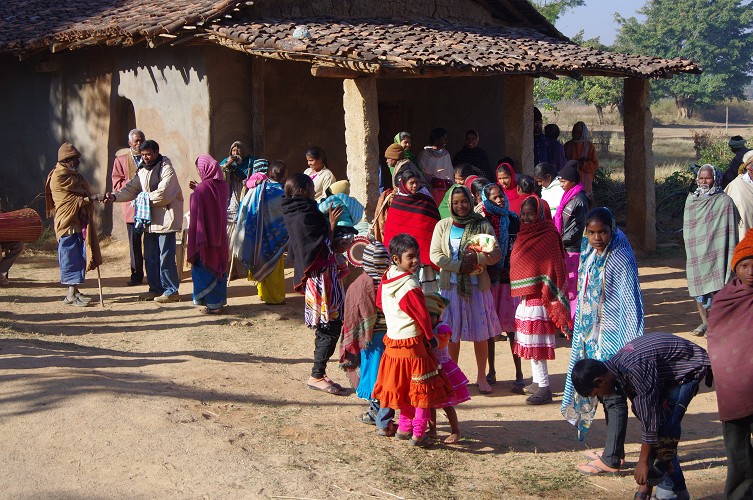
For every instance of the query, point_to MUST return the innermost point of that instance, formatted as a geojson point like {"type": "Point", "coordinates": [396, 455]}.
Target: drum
{"type": "Point", "coordinates": [20, 225]}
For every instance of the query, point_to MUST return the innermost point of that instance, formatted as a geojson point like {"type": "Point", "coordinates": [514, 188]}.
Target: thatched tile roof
{"type": "Point", "coordinates": [394, 47]}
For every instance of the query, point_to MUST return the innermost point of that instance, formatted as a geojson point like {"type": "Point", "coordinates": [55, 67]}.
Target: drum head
{"type": "Point", "coordinates": [355, 252]}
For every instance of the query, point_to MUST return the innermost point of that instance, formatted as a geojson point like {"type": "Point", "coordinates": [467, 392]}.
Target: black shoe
{"type": "Point", "coordinates": [134, 281]}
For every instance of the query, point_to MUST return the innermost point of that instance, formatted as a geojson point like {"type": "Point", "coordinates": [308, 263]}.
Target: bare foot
{"type": "Point", "coordinates": [319, 383]}
{"type": "Point", "coordinates": [452, 438]}
{"type": "Point", "coordinates": [332, 382]}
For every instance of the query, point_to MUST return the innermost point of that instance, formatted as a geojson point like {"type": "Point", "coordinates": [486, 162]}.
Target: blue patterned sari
{"type": "Point", "coordinates": [609, 314]}
{"type": "Point", "coordinates": [260, 236]}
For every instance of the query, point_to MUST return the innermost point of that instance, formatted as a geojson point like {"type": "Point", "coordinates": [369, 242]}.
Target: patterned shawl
{"type": "Point", "coordinates": [415, 214]}
{"type": "Point", "coordinates": [207, 236]}
{"type": "Point", "coordinates": [537, 267]}
{"type": "Point", "coordinates": [260, 236]}
{"type": "Point", "coordinates": [474, 224]}
{"type": "Point", "coordinates": [609, 314]}
{"type": "Point", "coordinates": [499, 218]}
{"type": "Point", "coordinates": [710, 224]}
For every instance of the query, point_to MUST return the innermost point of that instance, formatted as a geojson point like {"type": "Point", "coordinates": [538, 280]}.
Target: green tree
{"type": "Point", "coordinates": [601, 92]}
{"type": "Point", "coordinates": [712, 33]}
{"type": "Point", "coordinates": [553, 9]}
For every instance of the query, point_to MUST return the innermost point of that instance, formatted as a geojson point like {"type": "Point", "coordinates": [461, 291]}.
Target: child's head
{"type": "Point", "coordinates": [460, 201]}
{"type": "Point", "coordinates": [526, 185]}
{"type": "Point", "coordinates": [376, 260]}
{"type": "Point", "coordinates": [409, 181]}
{"type": "Point", "coordinates": [471, 139]}
{"type": "Point", "coordinates": [529, 210]}
{"type": "Point", "coordinates": [404, 252]}
{"type": "Point", "coordinates": [339, 187]}
{"type": "Point", "coordinates": [591, 378]}
{"type": "Point", "coordinates": [505, 175]}
{"type": "Point", "coordinates": [544, 173]}
{"type": "Point", "coordinates": [438, 138]}
{"type": "Point", "coordinates": [436, 305]}
{"type": "Point", "coordinates": [477, 186]}
{"type": "Point", "coordinates": [742, 259]}
{"type": "Point", "coordinates": [278, 171]}
{"type": "Point", "coordinates": [316, 158]}
{"type": "Point", "coordinates": [342, 242]}
{"type": "Point", "coordinates": [600, 226]}
{"type": "Point", "coordinates": [261, 165]}
{"type": "Point", "coordinates": [569, 176]}
{"type": "Point", "coordinates": [299, 185]}
{"type": "Point", "coordinates": [495, 195]}
{"type": "Point", "coordinates": [552, 131]}
{"type": "Point", "coordinates": [462, 172]}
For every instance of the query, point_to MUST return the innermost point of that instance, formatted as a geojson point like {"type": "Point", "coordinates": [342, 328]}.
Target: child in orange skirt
{"type": "Point", "coordinates": [436, 305]}
{"type": "Point", "coordinates": [409, 379]}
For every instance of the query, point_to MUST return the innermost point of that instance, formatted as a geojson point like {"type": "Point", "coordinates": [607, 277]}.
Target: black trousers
{"type": "Point", "coordinates": [325, 344]}
{"type": "Point", "coordinates": [137, 253]}
{"type": "Point", "coordinates": [737, 435]}
{"type": "Point", "coordinates": [616, 411]}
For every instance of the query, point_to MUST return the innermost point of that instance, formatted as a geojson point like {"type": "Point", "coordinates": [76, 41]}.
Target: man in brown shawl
{"type": "Point", "coordinates": [68, 197]}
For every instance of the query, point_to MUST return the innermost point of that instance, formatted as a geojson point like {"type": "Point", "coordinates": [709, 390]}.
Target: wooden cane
{"type": "Point", "coordinates": [99, 282]}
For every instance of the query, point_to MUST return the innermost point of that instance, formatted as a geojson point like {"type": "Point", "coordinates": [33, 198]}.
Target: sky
{"type": "Point", "coordinates": [596, 18]}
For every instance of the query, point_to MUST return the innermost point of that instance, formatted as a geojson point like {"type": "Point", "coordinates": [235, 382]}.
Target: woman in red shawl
{"type": "Point", "coordinates": [538, 275]}
{"type": "Point", "coordinates": [413, 211]}
{"type": "Point", "coordinates": [506, 180]}
{"type": "Point", "coordinates": [207, 239]}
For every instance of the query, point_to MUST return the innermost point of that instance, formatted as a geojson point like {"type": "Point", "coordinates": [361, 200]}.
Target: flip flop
{"type": "Point", "coordinates": [75, 302]}
{"type": "Point", "coordinates": [330, 389]}
{"type": "Point", "coordinates": [597, 468]}
{"type": "Point", "coordinates": [424, 442]}
{"type": "Point", "coordinates": [594, 455]}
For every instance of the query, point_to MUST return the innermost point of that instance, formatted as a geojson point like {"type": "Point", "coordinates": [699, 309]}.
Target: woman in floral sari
{"type": "Point", "coordinates": [609, 314]}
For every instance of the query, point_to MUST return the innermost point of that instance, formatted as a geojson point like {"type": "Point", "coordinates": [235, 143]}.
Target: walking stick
{"type": "Point", "coordinates": [99, 282]}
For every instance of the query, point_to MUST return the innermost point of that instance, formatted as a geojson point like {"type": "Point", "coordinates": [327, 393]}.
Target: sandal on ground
{"type": "Point", "coordinates": [207, 310]}
{"type": "Point", "coordinates": [75, 302]}
{"type": "Point", "coordinates": [424, 442]}
{"type": "Point", "coordinates": [518, 387]}
{"type": "Point", "coordinates": [700, 330]}
{"type": "Point", "coordinates": [597, 468]}
{"type": "Point", "coordinates": [595, 455]}
{"type": "Point", "coordinates": [366, 418]}
{"type": "Point", "coordinates": [388, 431]}
{"type": "Point", "coordinates": [542, 396]}
{"type": "Point", "coordinates": [330, 389]}
{"type": "Point", "coordinates": [491, 378]}
{"type": "Point", "coordinates": [333, 383]}
{"type": "Point", "coordinates": [484, 389]}
{"type": "Point", "coordinates": [80, 296]}
{"type": "Point", "coordinates": [531, 388]}
{"type": "Point", "coordinates": [403, 436]}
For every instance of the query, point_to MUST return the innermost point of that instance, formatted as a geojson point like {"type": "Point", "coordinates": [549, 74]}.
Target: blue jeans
{"type": "Point", "coordinates": [673, 410]}
{"type": "Point", "coordinates": [161, 270]}
{"type": "Point", "coordinates": [382, 416]}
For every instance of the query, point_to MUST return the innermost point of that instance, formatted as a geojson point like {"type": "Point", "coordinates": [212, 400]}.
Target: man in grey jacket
{"type": "Point", "coordinates": [157, 180]}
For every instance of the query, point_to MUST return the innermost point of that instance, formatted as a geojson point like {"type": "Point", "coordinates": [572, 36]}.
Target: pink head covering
{"type": "Point", "coordinates": [209, 168]}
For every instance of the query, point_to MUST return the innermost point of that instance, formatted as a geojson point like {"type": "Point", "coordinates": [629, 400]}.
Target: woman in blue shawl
{"type": "Point", "coordinates": [608, 315]}
{"type": "Point", "coordinates": [260, 237]}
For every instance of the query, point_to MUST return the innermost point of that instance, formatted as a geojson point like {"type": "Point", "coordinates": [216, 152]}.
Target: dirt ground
{"type": "Point", "coordinates": [140, 400]}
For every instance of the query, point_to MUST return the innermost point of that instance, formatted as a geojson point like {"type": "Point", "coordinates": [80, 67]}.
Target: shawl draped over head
{"type": "Point", "coordinates": [741, 192]}
{"type": "Point", "coordinates": [360, 305]}
{"type": "Point", "coordinates": [710, 224]}
{"type": "Point", "coordinates": [609, 314]}
{"type": "Point", "coordinates": [499, 217]}
{"type": "Point", "coordinates": [513, 198]}
{"type": "Point", "coordinates": [65, 193]}
{"type": "Point", "coordinates": [730, 350]}
{"type": "Point", "coordinates": [569, 195]}
{"type": "Point", "coordinates": [474, 156]}
{"type": "Point", "coordinates": [260, 236]}
{"type": "Point", "coordinates": [308, 230]}
{"type": "Point", "coordinates": [415, 214]}
{"type": "Point", "coordinates": [408, 155]}
{"type": "Point", "coordinates": [241, 170]}
{"type": "Point", "coordinates": [537, 267]}
{"type": "Point", "coordinates": [474, 224]}
{"type": "Point", "coordinates": [207, 236]}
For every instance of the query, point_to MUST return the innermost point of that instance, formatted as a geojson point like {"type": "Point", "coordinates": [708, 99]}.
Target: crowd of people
{"type": "Point", "coordinates": [458, 251]}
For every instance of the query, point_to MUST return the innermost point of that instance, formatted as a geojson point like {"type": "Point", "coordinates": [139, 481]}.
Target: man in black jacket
{"type": "Point", "coordinates": [737, 145]}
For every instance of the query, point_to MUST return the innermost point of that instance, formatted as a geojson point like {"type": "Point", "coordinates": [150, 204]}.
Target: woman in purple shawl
{"type": "Point", "coordinates": [207, 239]}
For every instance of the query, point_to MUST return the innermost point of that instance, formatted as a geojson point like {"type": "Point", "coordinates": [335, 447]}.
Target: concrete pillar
{"type": "Point", "coordinates": [639, 166]}
{"type": "Point", "coordinates": [517, 122]}
{"type": "Point", "coordinates": [362, 140]}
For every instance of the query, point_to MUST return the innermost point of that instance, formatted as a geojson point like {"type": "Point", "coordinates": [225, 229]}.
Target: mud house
{"type": "Point", "coordinates": [282, 75]}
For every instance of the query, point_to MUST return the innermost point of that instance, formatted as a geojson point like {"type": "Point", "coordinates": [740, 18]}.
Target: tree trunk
{"type": "Point", "coordinates": [600, 113]}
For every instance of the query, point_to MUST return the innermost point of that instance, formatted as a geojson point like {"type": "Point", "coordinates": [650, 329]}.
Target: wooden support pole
{"type": "Point", "coordinates": [257, 106]}
{"type": "Point", "coordinates": [639, 166]}
{"type": "Point", "coordinates": [362, 140]}
{"type": "Point", "coordinates": [517, 124]}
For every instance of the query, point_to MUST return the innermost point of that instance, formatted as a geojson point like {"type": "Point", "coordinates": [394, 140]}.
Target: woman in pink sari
{"type": "Point", "coordinates": [570, 220]}
{"type": "Point", "coordinates": [207, 239]}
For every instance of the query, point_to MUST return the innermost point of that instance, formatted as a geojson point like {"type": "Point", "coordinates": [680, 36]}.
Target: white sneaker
{"type": "Point", "coordinates": [4, 281]}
